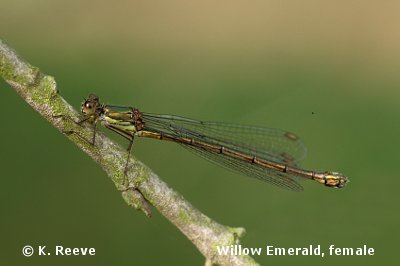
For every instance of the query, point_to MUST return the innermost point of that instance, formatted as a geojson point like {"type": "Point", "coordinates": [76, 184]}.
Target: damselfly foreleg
{"type": "Point", "coordinates": [79, 123]}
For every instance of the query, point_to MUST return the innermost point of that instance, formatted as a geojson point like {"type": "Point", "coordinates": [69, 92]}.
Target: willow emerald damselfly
{"type": "Point", "coordinates": [270, 155]}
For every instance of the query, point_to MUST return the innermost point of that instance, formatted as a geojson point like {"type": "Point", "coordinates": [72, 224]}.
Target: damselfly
{"type": "Point", "coordinates": [270, 155]}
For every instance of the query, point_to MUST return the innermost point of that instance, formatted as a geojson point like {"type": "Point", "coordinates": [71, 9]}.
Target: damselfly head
{"type": "Point", "coordinates": [91, 105]}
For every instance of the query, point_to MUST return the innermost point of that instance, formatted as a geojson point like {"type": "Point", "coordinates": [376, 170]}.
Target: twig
{"type": "Point", "coordinates": [40, 91]}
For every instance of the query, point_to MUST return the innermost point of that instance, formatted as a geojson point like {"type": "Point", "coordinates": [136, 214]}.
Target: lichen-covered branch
{"type": "Point", "coordinates": [144, 188]}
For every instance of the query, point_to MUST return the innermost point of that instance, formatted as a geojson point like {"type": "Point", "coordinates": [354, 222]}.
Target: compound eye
{"type": "Point", "coordinates": [88, 105]}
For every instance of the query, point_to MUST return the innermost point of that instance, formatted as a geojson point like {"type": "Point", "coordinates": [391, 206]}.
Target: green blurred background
{"type": "Point", "coordinates": [328, 71]}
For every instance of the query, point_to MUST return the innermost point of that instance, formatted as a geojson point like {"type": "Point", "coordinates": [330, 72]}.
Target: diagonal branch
{"type": "Point", "coordinates": [145, 187]}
